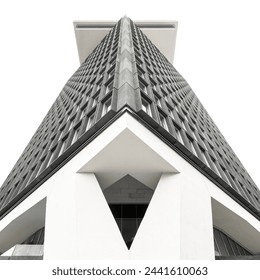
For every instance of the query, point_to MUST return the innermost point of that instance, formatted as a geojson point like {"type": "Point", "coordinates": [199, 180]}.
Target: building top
{"type": "Point", "coordinates": [90, 33]}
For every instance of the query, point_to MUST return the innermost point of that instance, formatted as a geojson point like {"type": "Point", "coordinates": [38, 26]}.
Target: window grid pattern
{"type": "Point", "coordinates": [174, 106]}
{"type": "Point", "coordinates": [36, 238]}
{"type": "Point", "coordinates": [226, 246]}
{"type": "Point", "coordinates": [78, 107]}
{"type": "Point", "coordinates": [163, 95]}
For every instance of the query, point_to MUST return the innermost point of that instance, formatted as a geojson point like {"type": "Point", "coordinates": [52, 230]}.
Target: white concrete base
{"type": "Point", "coordinates": [178, 223]}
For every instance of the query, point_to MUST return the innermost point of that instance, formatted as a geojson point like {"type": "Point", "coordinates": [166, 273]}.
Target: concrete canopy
{"type": "Point", "coordinates": [127, 154]}
{"type": "Point", "coordinates": [161, 33]}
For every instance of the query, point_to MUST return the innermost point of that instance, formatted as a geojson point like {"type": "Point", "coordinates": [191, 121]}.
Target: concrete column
{"type": "Point", "coordinates": [197, 241]}
{"type": "Point", "coordinates": [60, 223]}
{"type": "Point", "coordinates": [79, 223]}
{"type": "Point", "coordinates": [178, 221]}
{"type": "Point", "coordinates": [98, 236]}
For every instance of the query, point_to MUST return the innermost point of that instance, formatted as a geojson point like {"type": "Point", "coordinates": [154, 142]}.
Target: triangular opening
{"type": "Point", "coordinates": [128, 218]}
{"type": "Point", "coordinates": [128, 200]}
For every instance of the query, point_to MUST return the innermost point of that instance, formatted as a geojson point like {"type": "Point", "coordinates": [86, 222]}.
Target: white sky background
{"type": "Point", "coordinates": [217, 52]}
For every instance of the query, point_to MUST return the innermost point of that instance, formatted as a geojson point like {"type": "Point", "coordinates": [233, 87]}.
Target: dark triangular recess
{"type": "Point", "coordinates": [128, 200]}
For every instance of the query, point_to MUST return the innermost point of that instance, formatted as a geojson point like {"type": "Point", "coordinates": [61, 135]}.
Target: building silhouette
{"type": "Point", "coordinates": [128, 164]}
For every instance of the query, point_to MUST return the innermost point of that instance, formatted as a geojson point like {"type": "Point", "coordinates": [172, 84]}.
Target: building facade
{"type": "Point", "coordinates": [128, 164]}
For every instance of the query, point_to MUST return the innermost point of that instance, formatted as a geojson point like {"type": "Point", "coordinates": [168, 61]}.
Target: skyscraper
{"type": "Point", "coordinates": [127, 164]}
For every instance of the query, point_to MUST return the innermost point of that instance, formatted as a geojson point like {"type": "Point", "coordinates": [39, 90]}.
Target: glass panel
{"type": "Point", "coordinates": [141, 209]}
{"type": "Point", "coordinates": [90, 121]}
{"type": "Point", "coordinates": [129, 211]}
{"type": "Point", "coordinates": [116, 210]}
{"type": "Point", "coordinates": [241, 250]}
{"type": "Point", "coordinates": [36, 237]}
{"type": "Point", "coordinates": [106, 107]}
{"type": "Point", "coordinates": [119, 223]}
{"type": "Point", "coordinates": [234, 247]}
{"type": "Point", "coordinates": [163, 122]}
{"type": "Point", "coordinates": [139, 220]}
{"type": "Point", "coordinates": [217, 252]}
{"type": "Point", "coordinates": [75, 136]}
{"type": "Point", "coordinates": [220, 243]}
{"type": "Point", "coordinates": [229, 249]}
{"type": "Point", "coordinates": [205, 159]}
{"type": "Point", "coordinates": [178, 135]}
{"type": "Point", "coordinates": [227, 246]}
{"type": "Point", "coordinates": [146, 107]}
{"type": "Point", "coordinates": [41, 238]}
{"type": "Point", "coordinates": [129, 228]}
{"type": "Point", "coordinates": [128, 218]}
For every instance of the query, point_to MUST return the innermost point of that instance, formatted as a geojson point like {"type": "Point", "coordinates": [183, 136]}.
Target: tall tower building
{"type": "Point", "coordinates": [128, 164]}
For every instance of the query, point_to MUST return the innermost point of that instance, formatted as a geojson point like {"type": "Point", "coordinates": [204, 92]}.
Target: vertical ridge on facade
{"type": "Point", "coordinates": [127, 70]}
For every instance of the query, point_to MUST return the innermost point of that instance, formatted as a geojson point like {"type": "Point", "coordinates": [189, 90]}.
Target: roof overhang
{"type": "Point", "coordinates": [161, 33]}
{"type": "Point", "coordinates": [139, 160]}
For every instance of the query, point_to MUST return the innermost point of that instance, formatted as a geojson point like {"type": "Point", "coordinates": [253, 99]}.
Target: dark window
{"type": "Point", "coordinates": [36, 238]}
{"type": "Point", "coordinates": [146, 106]}
{"type": "Point", "coordinates": [163, 122]}
{"type": "Point", "coordinates": [128, 218]}
{"type": "Point", "coordinates": [109, 87]}
{"type": "Point", "coordinates": [106, 106]}
{"type": "Point", "coordinates": [90, 121]}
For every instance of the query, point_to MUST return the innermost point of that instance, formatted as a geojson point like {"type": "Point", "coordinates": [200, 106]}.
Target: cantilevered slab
{"type": "Point", "coordinates": [161, 33]}
{"type": "Point", "coordinates": [127, 154]}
